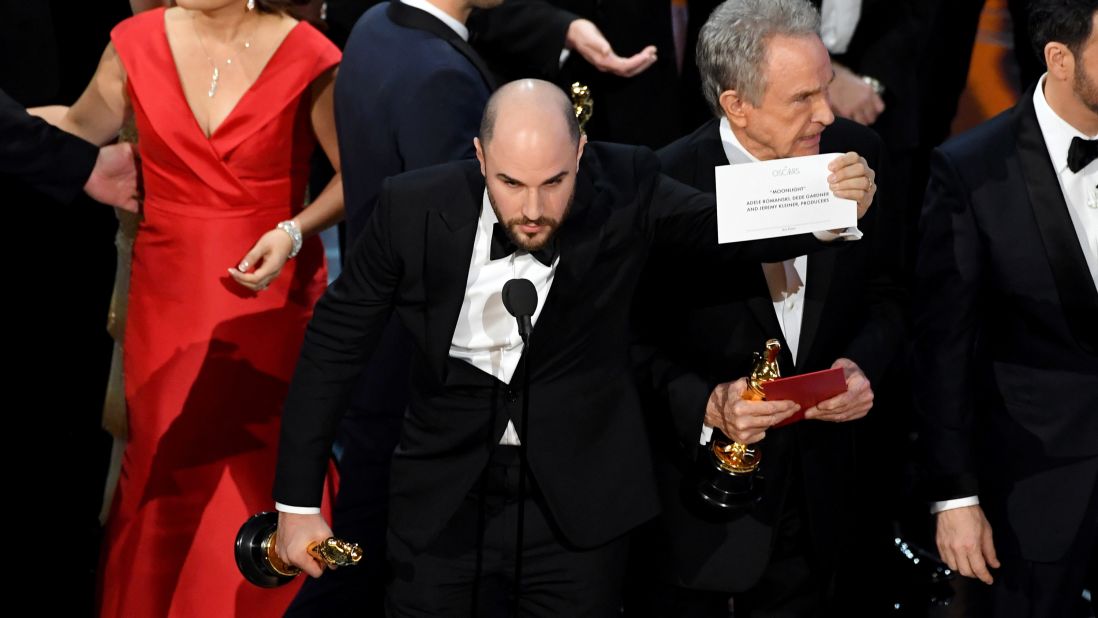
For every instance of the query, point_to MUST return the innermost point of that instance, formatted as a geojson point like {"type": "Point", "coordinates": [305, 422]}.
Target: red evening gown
{"type": "Point", "coordinates": [207, 362]}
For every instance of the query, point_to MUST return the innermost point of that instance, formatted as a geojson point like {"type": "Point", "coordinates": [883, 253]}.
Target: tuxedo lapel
{"type": "Point", "coordinates": [411, 17]}
{"type": "Point", "coordinates": [449, 248]}
{"type": "Point", "coordinates": [1069, 269]}
{"type": "Point", "coordinates": [821, 269]}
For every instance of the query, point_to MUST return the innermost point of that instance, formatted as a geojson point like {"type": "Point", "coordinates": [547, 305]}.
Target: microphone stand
{"type": "Point", "coordinates": [524, 467]}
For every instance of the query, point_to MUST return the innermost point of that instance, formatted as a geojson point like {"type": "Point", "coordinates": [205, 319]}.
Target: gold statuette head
{"type": "Point", "coordinates": [582, 103]}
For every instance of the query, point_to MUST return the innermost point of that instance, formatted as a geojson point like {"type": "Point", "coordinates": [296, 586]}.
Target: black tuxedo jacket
{"type": "Point", "coordinates": [587, 447]}
{"type": "Point", "coordinates": [1006, 349]}
{"type": "Point", "coordinates": [40, 156]}
{"type": "Point", "coordinates": [698, 328]}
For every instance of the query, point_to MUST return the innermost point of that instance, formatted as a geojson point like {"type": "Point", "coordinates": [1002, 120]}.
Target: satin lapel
{"type": "Point", "coordinates": [1069, 269]}
{"type": "Point", "coordinates": [450, 234]}
{"type": "Point", "coordinates": [820, 271]}
{"type": "Point", "coordinates": [763, 309]}
{"type": "Point", "coordinates": [580, 237]}
{"type": "Point", "coordinates": [411, 17]}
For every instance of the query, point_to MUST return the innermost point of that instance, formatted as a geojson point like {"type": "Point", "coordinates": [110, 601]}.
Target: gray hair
{"type": "Point", "coordinates": [732, 44]}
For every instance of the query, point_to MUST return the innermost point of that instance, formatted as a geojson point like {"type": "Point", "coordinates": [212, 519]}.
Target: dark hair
{"type": "Point", "coordinates": [1061, 21]}
{"type": "Point", "coordinates": [278, 6]}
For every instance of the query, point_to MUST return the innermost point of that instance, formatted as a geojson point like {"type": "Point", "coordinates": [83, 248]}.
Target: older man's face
{"type": "Point", "coordinates": [795, 108]}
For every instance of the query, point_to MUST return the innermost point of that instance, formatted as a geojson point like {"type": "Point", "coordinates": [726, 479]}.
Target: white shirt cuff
{"type": "Point", "coordinates": [564, 55]}
{"type": "Point", "coordinates": [706, 435]}
{"type": "Point", "coordinates": [850, 233]}
{"type": "Point", "coordinates": [297, 510]}
{"type": "Point", "coordinates": [956, 503]}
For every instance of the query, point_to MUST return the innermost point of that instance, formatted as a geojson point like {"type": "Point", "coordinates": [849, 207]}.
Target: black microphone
{"type": "Point", "coordinates": [521, 300]}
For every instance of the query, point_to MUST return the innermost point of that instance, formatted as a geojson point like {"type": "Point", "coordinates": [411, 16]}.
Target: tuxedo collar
{"type": "Point", "coordinates": [1078, 294]}
{"type": "Point", "coordinates": [410, 17]}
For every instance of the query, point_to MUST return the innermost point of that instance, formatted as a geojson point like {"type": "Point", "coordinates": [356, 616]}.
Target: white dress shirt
{"type": "Point", "coordinates": [838, 20]}
{"type": "Point", "coordinates": [787, 280]}
{"type": "Point", "coordinates": [443, 16]}
{"type": "Point", "coordinates": [486, 336]}
{"type": "Point", "coordinates": [1081, 194]}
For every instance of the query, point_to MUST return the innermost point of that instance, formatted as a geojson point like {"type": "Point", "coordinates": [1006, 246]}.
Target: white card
{"type": "Point", "coordinates": [781, 197]}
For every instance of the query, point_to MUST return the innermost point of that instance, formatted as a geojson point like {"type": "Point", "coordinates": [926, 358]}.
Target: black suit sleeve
{"type": "Point", "coordinates": [45, 157]}
{"type": "Point", "coordinates": [947, 304]}
{"type": "Point", "coordinates": [521, 38]}
{"type": "Point", "coordinates": [347, 323]}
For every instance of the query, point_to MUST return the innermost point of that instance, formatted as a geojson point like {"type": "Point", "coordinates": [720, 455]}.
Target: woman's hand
{"type": "Point", "coordinates": [264, 262]}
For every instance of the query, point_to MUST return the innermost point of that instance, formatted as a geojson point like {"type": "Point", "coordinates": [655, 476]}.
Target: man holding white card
{"type": "Point", "coordinates": [765, 73]}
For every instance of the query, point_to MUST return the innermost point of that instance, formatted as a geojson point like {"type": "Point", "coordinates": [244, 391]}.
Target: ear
{"type": "Point", "coordinates": [480, 156]}
{"type": "Point", "coordinates": [734, 107]}
{"type": "Point", "coordinates": [1060, 61]}
{"type": "Point", "coordinates": [583, 142]}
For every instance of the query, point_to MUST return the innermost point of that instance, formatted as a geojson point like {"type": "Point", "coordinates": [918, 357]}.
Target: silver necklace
{"type": "Point", "coordinates": [216, 71]}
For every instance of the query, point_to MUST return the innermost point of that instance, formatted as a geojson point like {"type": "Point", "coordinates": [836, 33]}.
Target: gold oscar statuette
{"type": "Point", "coordinates": [582, 103]}
{"type": "Point", "coordinates": [260, 564]}
{"type": "Point", "coordinates": [730, 482]}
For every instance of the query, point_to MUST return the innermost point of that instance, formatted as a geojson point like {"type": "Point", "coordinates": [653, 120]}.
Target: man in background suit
{"type": "Point", "coordinates": [765, 72]}
{"type": "Point", "coordinates": [434, 254]}
{"type": "Point", "coordinates": [1006, 319]}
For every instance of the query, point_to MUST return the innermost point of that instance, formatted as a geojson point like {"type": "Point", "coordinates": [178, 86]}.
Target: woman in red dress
{"type": "Point", "coordinates": [230, 98]}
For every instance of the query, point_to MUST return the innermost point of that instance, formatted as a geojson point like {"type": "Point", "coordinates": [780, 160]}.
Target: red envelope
{"type": "Point", "coordinates": [806, 389]}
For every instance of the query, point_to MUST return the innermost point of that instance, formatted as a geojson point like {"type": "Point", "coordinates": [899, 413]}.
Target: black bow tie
{"type": "Point", "coordinates": [1081, 153]}
{"type": "Point", "coordinates": [503, 246]}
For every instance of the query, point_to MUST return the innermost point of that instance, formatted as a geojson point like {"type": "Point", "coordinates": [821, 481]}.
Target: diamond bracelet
{"type": "Point", "coordinates": [291, 228]}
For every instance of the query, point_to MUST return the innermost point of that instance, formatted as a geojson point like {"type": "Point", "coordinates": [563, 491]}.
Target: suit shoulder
{"type": "Point", "coordinates": [994, 137]}
{"type": "Point", "coordinates": [441, 179]}
{"type": "Point", "coordinates": [620, 164]}
{"type": "Point", "coordinates": [679, 156]}
{"type": "Point", "coordinates": [377, 44]}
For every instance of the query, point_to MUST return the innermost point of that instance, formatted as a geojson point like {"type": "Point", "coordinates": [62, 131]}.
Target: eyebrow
{"type": "Point", "coordinates": [557, 176]}
{"type": "Point", "coordinates": [814, 91]}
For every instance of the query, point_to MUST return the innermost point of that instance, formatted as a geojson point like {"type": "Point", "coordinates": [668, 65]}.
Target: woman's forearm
{"type": "Point", "coordinates": [325, 211]}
